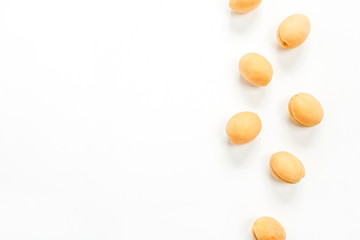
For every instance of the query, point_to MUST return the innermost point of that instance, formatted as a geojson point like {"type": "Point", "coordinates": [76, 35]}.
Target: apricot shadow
{"type": "Point", "coordinates": [289, 58]}
{"type": "Point", "coordinates": [301, 135]}
{"type": "Point", "coordinates": [239, 154]}
{"type": "Point", "coordinates": [284, 191]}
{"type": "Point", "coordinates": [252, 94]}
{"type": "Point", "coordinates": [241, 22]}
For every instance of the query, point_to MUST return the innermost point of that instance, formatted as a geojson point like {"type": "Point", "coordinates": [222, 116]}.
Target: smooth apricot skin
{"type": "Point", "coordinates": [293, 31]}
{"type": "Point", "coordinates": [243, 6]}
{"type": "Point", "coordinates": [243, 127]}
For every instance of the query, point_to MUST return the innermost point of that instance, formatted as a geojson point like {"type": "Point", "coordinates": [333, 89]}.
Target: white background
{"type": "Point", "coordinates": [113, 114]}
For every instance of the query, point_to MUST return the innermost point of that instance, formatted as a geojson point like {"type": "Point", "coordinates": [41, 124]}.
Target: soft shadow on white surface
{"type": "Point", "coordinates": [246, 227]}
{"type": "Point", "coordinates": [239, 154]}
{"type": "Point", "coordinates": [253, 95]}
{"type": "Point", "coordinates": [300, 135]}
{"type": "Point", "coordinates": [293, 132]}
{"type": "Point", "coordinates": [288, 58]}
{"type": "Point", "coordinates": [242, 22]}
{"type": "Point", "coordinates": [283, 191]}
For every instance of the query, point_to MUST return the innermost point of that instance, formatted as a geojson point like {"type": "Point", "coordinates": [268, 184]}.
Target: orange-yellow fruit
{"type": "Point", "coordinates": [268, 228]}
{"type": "Point", "coordinates": [256, 69]}
{"type": "Point", "coordinates": [293, 31]}
{"type": "Point", "coordinates": [286, 167]}
{"type": "Point", "coordinates": [243, 127]}
{"type": "Point", "coordinates": [244, 6]}
{"type": "Point", "coordinates": [305, 110]}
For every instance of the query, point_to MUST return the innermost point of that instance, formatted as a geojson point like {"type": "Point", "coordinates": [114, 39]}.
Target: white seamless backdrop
{"type": "Point", "coordinates": [113, 114]}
